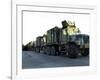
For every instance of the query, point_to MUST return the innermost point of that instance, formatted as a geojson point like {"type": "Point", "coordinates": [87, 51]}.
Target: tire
{"type": "Point", "coordinates": [44, 50]}
{"type": "Point", "coordinates": [48, 51]}
{"type": "Point", "coordinates": [38, 50]}
{"type": "Point", "coordinates": [73, 51]}
{"type": "Point", "coordinates": [53, 51]}
{"type": "Point", "coordinates": [85, 52]}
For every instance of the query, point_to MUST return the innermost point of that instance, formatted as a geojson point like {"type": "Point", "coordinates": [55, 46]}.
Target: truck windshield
{"type": "Point", "coordinates": [84, 37]}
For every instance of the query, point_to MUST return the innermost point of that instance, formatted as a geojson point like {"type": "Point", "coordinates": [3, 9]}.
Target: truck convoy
{"type": "Point", "coordinates": [67, 40]}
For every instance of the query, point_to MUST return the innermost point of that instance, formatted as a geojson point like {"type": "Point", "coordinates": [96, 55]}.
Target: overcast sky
{"type": "Point", "coordinates": [37, 23]}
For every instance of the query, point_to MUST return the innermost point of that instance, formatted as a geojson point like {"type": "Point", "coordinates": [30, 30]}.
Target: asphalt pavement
{"type": "Point", "coordinates": [32, 60]}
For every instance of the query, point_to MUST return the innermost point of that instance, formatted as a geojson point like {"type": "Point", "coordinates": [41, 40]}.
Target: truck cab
{"type": "Point", "coordinates": [72, 42]}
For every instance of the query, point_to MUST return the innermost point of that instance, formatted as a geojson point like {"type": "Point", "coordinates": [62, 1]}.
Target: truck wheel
{"type": "Point", "coordinates": [53, 51]}
{"type": "Point", "coordinates": [48, 51]}
{"type": "Point", "coordinates": [85, 52]}
{"type": "Point", "coordinates": [44, 50]}
{"type": "Point", "coordinates": [73, 51]}
{"type": "Point", "coordinates": [38, 50]}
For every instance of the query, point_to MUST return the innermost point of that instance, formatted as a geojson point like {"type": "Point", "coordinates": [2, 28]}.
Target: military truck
{"type": "Point", "coordinates": [52, 41]}
{"type": "Point", "coordinates": [44, 45]}
{"type": "Point", "coordinates": [64, 41]}
{"type": "Point", "coordinates": [72, 42]}
{"type": "Point", "coordinates": [39, 43]}
{"type": "Point", "coordinates": [28, 47]}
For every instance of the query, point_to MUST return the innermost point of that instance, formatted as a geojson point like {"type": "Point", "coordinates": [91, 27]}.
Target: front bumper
{"type": "Point", "coordinates": [84, 45]}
